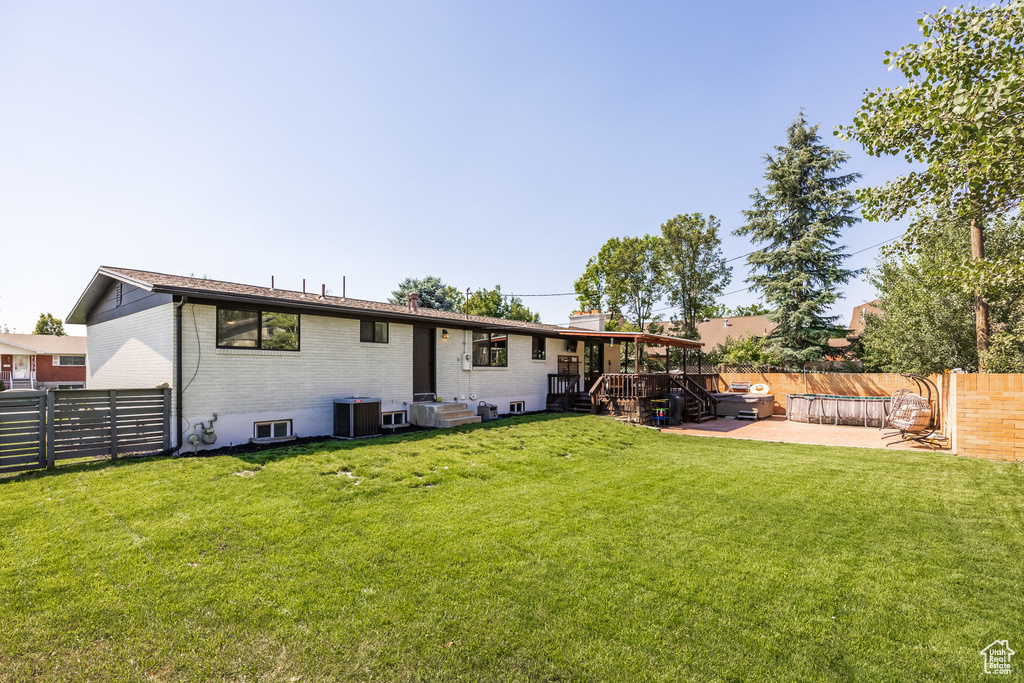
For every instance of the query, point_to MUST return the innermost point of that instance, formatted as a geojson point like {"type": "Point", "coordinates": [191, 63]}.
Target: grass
{"type": "Point", "coordinates": [540, 548]}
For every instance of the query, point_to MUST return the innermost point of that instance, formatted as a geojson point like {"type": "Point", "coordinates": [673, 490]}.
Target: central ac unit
{"type": "Point", "coordinates": [357, 416]}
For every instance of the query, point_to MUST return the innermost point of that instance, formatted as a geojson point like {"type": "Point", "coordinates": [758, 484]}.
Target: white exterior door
{"type": "Point", "coordinates": [21, 364]}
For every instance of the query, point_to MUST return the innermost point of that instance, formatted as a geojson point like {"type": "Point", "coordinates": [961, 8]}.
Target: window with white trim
{"type": "Point", "coordinates": [272, 430]}
{"type": "Point", "coordinates": [517, 407]}
{"type": "Point", "coordinates": [69, 360]}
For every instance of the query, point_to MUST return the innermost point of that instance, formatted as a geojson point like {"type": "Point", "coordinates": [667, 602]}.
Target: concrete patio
{"type": "Point", "coordinates": [778, 428]}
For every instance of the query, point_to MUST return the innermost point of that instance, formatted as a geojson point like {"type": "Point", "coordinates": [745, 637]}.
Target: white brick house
{"type": "Point", "coordinates": [256, 355]}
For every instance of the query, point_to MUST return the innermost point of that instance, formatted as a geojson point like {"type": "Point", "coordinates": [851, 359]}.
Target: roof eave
{"type": "Point", "coordinates": [353, 311]}
{"type": "Point", "coordinates": [92, 293]}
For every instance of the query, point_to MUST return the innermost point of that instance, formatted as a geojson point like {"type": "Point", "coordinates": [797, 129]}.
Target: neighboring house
{"type": "Point", "coordinates": [42, 361]}
{"type": "Point", "coordinates": [258, 356]}
{"type": "Point", "coordinates": [858, 321]}
{"type": "Point", "coordinates": [716, 331]}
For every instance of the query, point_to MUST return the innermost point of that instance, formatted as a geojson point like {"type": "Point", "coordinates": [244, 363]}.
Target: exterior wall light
{"type": "Point", "coordinates": [444, 334]}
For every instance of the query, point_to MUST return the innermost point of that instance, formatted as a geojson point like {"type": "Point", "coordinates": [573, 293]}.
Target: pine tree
{"type": "Point", "coordinates": [795, 223]}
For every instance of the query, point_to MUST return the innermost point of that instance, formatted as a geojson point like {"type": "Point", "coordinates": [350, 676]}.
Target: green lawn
{"type": "Point", "coordinates": [568, 548]}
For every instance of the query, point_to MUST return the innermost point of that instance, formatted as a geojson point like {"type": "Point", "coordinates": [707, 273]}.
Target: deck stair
{"type": "Point", "coordinates": [580, 403]}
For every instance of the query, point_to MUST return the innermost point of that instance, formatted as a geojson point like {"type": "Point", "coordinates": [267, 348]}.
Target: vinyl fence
{"type": "Point", "coordinates": [38, 428]}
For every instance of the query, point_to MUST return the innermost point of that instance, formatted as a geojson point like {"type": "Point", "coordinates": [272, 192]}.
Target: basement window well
{"type": "Point", "coordinates": [277, 429]}
{"type": "Point", "coordinates": [517, 407]}
{"type": "Point", "coordinates": [393, 419]}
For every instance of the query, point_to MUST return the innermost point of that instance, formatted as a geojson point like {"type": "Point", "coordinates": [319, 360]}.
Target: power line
{"type": "Point", "coordinates": [562, 294]}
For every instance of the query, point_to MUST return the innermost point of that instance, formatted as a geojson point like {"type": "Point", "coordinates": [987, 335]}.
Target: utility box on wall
{"type": "Point", "coordinates": [357, 416]}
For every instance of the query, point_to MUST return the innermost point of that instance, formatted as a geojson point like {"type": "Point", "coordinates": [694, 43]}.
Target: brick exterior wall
{"type": "Point", "coordinates": [989, 416]}
{"type": "Point", "coordinates": [47, 372]}
{"type": "Point", "coordinates": [244, 386]}
{"type": "Point", "coordinates": [524, 379]}
{"type": "Point", "coordinates": [132, 352]}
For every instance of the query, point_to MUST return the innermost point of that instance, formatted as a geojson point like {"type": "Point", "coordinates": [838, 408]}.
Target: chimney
{"type": "Point", "coordinates": [726, 322]}
{"type": "Point", "coordinates": [414, 302]}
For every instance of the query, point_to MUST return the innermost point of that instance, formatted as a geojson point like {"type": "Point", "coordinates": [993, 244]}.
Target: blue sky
{"type": "Point", "coordinates": [485, 143]}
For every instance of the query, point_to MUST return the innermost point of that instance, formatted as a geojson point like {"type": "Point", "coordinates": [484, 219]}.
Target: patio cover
{"type": "Point", "coordinates": [636, 337]}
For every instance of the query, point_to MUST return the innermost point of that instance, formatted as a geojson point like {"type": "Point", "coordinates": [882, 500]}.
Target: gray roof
{"type": "Point", "coordinates": [232, 291]}
{"type": "Point", "coordinates": [46, 344]}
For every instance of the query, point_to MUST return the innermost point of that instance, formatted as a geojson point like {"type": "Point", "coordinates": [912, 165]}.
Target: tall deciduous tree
{"type": "Point", "coordinates": [491, 302]}
{"type": "Point", "coordinates": [47, 324]}
{"type": "Point", "coordinates": [695, 269]}
{"type": "Point", "coordinates": [433, 293]}
{"type": "Point", "coordinates": [961, 113]}
{"type": "Point", "coordinates": [795, 223]}
{"type": "Point", "coordinates": [927, 318]}
{"type": "Point", "coordinates": [627, 275]}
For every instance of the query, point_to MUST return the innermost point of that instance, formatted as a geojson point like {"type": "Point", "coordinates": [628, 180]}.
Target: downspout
{"type": "Point", "coordinates": [178, 375]}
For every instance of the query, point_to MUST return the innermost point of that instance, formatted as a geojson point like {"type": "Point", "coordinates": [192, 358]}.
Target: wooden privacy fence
{"type": "Point", "coordinates": [38, 428]}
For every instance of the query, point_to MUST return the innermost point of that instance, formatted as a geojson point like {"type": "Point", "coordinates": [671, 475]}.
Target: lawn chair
{"type": "Point", "coordinates": [911, 415]}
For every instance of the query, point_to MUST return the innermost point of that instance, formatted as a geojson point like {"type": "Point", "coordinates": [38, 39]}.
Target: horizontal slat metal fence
{"type": "Point", "coordinates": [76, 424]}
{"type": "Point", "coordinates": [22, 430]}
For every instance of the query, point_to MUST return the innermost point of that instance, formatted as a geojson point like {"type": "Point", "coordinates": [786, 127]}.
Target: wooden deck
{"type": "Point", "coordinates": [629, 395]}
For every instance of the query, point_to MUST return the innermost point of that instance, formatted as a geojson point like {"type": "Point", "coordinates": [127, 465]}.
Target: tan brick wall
{"type": "Point", "coordinates": [989, 416]}
{"type": "Point", "coordinates": [983, 415]}
{"type": "Point", "coordinates": [839, 384]}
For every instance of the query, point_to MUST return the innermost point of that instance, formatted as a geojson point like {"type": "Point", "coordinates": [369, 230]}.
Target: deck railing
{"type": "Point", "coordinates": [626, 385]}
{"type": "Point", "coordinates": [563, 384]}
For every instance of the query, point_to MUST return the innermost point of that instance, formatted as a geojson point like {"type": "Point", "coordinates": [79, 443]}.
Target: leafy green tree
{"type": "Point", "coordinates": [695, 269]}
{"type": "Point", "coordinates": [795, 223]}
{"type": "Point", "coordinates": [628, 277]}
{"type": "Point", "coordinates": [1005, 353]}
{"type": "Point", "coordinates": [491, 302]}
{"type": "Point", "coordinates": [47, 324]}
{"type": "Point", "coordinates": [962, 115]}
{"type": "Point", "coordinates": [746, 349]}
{"type": "Point", "coordinates": [433, 294]}
{"type": "Point", "coordinates": [927, 319]}
{"type": "Point", "coordinates": [752, 309]}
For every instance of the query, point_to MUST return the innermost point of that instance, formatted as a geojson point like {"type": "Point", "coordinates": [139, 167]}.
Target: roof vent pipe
{"type": "Point", "coordinates": [304, 288]}
{"type": "Point", "coordinates": [323, 291]}
{"type": "Point", "coordinates": [343, 287]}
{"type": "Point", "coordinates": [414, 302]}
{"type": "Point", "coordinates": [271, 281]}
{"type": "Point", "coordinates": [726, 322]}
